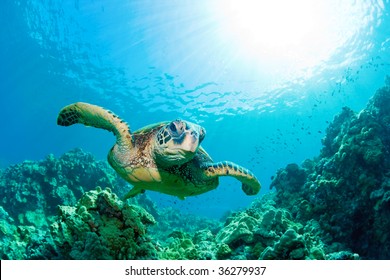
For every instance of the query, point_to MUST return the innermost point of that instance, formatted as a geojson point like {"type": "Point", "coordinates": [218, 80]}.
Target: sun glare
{"type": "Point", "coordinates": [297, 34]}
{"type": "Point", "coordinates": [270, 23]}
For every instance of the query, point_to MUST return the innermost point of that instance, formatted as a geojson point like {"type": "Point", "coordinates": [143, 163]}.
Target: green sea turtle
{"type": "Point", "coordinates": [164, 157]}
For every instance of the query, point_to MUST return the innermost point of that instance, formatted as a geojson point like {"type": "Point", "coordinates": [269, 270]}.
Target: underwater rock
{"type": "Point", "coordinates": [101, 226]}
{"type": "Point", "coordinates": [7, 223]}
{"type": "Point", "coordinates": [238, 231]}
{"type": "Point", "coordinates": [343, 255]}
{"type": "Point", "coordinates": [24, 242]}
{"type": "Point", "coordinates": [204, 235]}
{"type": "Point", "coordinates": [181, 245]}
{"type": "Point", "coordinates": [170, 220]}
{"type": "Point", "coordinates": [347, 187]}
{"type": "Point", "coordinates": [291, 245]}
{"type": "Point", "coordinates": [223, 252]}
{"type": "Point", "coordinates": [288, 182]}
{"type": "Point", "coordinates": [289, 179]}
{"type": "Point", "coordinates": [7, 238]}
{"type": "Point", "coordinates": [266, 232]}
{"type": "Point", "coordinates": [182, 236]}
{"type": "Point", "coordinates": [30, 186]}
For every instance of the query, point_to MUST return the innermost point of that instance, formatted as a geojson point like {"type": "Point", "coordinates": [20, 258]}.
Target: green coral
{"type": "Point", "coordinates": [43, 185]}
{"type": "Point", "coordinates": [101, 226]}
{"type": "Point", "coordinates": [239, 230]}
{"type": "Point", "coordinates": [182, 246]}
{"type": "Point", "coordinates": [347, 186]}
{"type": "Point", "coordinates": [23, 242]}
{"type": "Point", "coordinates": [223, 251]}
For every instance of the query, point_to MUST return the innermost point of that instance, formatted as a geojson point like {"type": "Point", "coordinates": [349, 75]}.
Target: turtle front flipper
{"type": "Point", "coordinates": [92, 115]}
{"type": "Point", "coordinates": [250, 184]}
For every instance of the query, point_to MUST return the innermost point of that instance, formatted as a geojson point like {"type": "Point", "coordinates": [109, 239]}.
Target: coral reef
{"type": "Point", "coordinates": [266, 232]}
{"type": "Point", "coordinates": [335, 206]}
{"type": "Point", "coordinates": [41, 217]}
{"type": "Point", "coordinates": [24, 242]}
{"type": "Point", "coordinates": [30, 191]}
{"type": "Point", "coordinates": [260, 232]}
{"type": "Point", "coordinates": [101, 226]}
{"type": "Point", "coordinates": [347, 188]}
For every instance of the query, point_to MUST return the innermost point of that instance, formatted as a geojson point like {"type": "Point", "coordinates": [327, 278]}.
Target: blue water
{"type": "Point", "coordinates": [150, 61]}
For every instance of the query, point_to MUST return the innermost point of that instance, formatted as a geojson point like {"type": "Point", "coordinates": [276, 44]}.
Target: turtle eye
{"type": "Point", "coordinates": [202, 134]}
{"type": "Point", "coordinates": [172, 127]}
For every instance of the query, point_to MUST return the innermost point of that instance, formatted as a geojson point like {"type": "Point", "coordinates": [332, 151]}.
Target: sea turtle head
{"type": "Point", "coordinates": [177, 142]}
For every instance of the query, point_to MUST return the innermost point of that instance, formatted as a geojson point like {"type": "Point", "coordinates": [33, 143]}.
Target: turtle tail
{"type": "Point", "coordinates": [250, 184]}
{"type": "Point", "coordinates": [92, 115]}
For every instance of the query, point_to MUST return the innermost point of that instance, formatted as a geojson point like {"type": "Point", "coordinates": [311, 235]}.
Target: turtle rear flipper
{"type": "Point", "coordinates": [133, 192]}
{"type": "Point", "coordinates": [250, 184]}
{"type": "Point", "coordinates": [92, 115]}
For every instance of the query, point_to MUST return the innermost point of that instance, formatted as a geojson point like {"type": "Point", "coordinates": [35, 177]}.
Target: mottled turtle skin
{"type": "Point", "coordinates": [165, 157]}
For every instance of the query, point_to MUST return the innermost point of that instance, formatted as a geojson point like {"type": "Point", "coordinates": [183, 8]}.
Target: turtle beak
{"type": "Point", "coordinates": [191, 141]}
